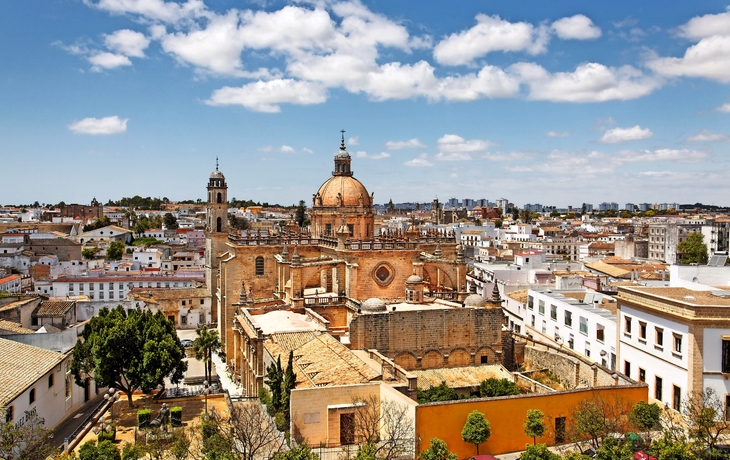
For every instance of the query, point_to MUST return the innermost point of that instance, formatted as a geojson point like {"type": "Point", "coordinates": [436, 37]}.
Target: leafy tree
{"type": "Point", "coordinates": [704, 414]}
{"type": "Point", "coordinates": [98, 223]}
{"type": "Point", "coordinates": [693, 250]}
{"type": "Point", "coordinates": [115, 251]}
{"type": "Point", "coordinates": [645, 416]}
{"type": "Point", "coordinates": [366, 451]}
{"type": "Point", "coordinates": [238, 223]}
{"type": "Point", "coordinates": [438, 393]}
{"type": "Point", "coordinates": [301, 452]}
{"type": "Point", "coordinates": [437, 450]}
{"type": "Point", "coordinates": [205, 344]}
{"type": "Point", "coordinates": [595, 418]}
{"type": "Point", "coordinates": [667, 448]}
{"type": "Point", "coordinates": [614, 449]}
{"type": "Point", "coordinates": [170, 221]}
{"type": "Point", "coordinates": [128, 351]}
{"type": "Point", "coordinates": [534, 424]}
{"type": "Point", "coordinates": [538, 452]}
{"type": "Point", "coordinates": [301, 214]}
{"type": "Point", "coordinates": [89, 253]}
{"type": "Point", "coordinates": [476, 429]}
{"type": "Point", "coordinates": [30, 441]}
{"type": "Point", "coordinates": [492, 387]}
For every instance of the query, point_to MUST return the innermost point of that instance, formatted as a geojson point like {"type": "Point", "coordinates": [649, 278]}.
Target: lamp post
{"type": "Point", "coordinates": [113, 396]}
{"type": "Point", "coordinates": [103, 426]}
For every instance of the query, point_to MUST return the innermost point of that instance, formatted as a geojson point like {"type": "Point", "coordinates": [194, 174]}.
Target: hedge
{"type": "Point", "coordinates": [143, 418]}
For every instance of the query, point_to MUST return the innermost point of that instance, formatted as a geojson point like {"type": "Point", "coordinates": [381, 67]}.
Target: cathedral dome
{"type": "Point", "coordinates": [373, 305]}
{"type": "Point", "coordinates": [343, 191]}
{"type": "Point", "coordinates": [475, 301]}
{"type": "Point", "coordinates": [414, 279]}
{"type": "Point", "coordinates": [217, 175]}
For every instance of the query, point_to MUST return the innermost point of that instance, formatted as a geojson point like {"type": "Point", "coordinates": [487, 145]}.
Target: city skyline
{"type": "Point", "coordinates": [557, 104]}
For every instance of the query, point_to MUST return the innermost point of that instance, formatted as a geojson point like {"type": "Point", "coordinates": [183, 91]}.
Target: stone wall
{"type": "Point", "coordinates": [432, 338]}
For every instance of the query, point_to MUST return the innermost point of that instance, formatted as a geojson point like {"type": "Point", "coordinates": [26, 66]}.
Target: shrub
{"type": "Point", "coordinates": [144, 417]}
{"type": "Point", "coordinates": [107, 435]}
{"type": "Point", "coordinates": [176, 416]}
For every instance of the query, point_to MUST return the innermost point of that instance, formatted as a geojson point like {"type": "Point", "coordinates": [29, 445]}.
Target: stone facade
{"type": "Point", "coordinates": [425, 339]}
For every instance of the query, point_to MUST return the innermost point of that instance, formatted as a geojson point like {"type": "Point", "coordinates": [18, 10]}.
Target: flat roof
{"type": "Point", "coordinates": [285, 321]}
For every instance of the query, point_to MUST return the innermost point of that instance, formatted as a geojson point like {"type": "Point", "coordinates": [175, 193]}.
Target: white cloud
{"type": "Point", "coordinates": [127, 42]}
{"type": "Point", "coordinates": [673, 155]}
{"type": "Point", "coordinates": [263, 96]}
{"type": "Point", "coordinates": [705, 26]}
{"type": "Point", "coordinates": [558, 134]}
{"type": "Point", "coordinates": [491, 33]}
{"type": "Point", "coordinates": [453, 156]}
{"type": "Point", "coordinates": [420, 161]}
{"type": "Point", "coordinates": [578, 27]}
{"type": "Point", "coordinates": [591, 82]}
{"type": "Point", "coordinates": [705, 135]}
{"type": "Point", "coordinates": [106, 125]}
{"type": "Point", "coordinates": [451, 143]}
{"type": "Point", "coordinates": [621, 135]}
{"type": "Point", "coordinates": [410, 144]}
{"type": "Point", "coordinates": [306, 150]}
{"type": "Point", "coordinates": [374, 156]}
{"type": "Point", "coordinates": [724, 108]}
{"type": "Point", "coordinates": [157, 10]}
{"type": "Point", "coordinates": [103, 61]}
{"type": "Point", "coordinates": [710, 58]}
{"type": "Point", "coordinates": [287, 149]}
{"type": "Point", "coordinates": [352, 140]}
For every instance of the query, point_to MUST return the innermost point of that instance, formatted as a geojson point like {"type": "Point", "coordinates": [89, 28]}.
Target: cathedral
{"type": "Point", "coordinates": [336, 268]}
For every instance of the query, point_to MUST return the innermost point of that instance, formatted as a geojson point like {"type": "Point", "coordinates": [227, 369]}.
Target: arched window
{"type": "Point", "coordinates": [219, 225]}
{"type": "Point", "coordinates": [259, 266]}
{"type": "Point", "coordinates": [219, 197]}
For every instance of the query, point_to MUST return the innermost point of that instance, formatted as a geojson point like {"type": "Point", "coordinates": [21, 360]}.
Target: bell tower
{"type": "Point", "coordinates": [217, 207]}
{"type": "Point", "coordinates": [342, 160]}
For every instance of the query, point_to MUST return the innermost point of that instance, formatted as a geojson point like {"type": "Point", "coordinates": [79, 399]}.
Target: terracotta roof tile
{"type": "Point", "coordinates": [22, 365]}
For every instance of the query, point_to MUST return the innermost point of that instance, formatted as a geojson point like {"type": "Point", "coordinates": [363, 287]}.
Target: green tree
{"type": "Point", "coordinates": [115, 251]}
{"type": "Point", "coordinates": [366, 451]}
{"type": "Point", "coordinates": [645, 416]}
{"type": "Point", "coordinates": [275, 380]}
{"type": "Point", "coordinates": [492, 387]}
{"type": "Point", "coordinates": [29, 441]}
{"type": "Point", "coordinates": [704, 414]}
{"type": "Point", "coordinates": [498, 223]}
{"type": "Point", "coordinates": [104, 450]}
{"type": "Point", "coordinates": [237, 223]}
{"type": "Point", "coordinates": [437, 450]}
{"type": "Point", "coordinates": [614, 449]}
{"type": "Point", "coordinates": [667, 448]}
{"type": "Point", "coordinates": [170, 221]}
{"type": "Point", "coordinates": [538, 452]}
{"type": "Point", "coordinates": [693, 250]}
{"type": "Point", "coordinates": [301, 214]}
{"type": "Point", "coordinates": [441, 392]}
{"type": "Point", "coordinates": [128, 351]}
{"type": "Point", "coordinates": [89, 253]}
{"type": "Point", "coordinates": [205, 344]}
{"type": "Point", "coordinates": [534, 424]}
{"type": "Point", "coordinates": [594, 418]}
{"type": "Point", "coordinates": [476, 429]}
{"type": "Point", "coordinates": [301, 452]}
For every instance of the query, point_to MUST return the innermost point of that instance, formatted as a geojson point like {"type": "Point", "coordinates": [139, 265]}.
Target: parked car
{"type": "Point", "coordinates": [187, 343]}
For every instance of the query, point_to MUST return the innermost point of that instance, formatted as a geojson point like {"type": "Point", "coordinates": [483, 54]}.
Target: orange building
{"type": "Point", "coordinates": [507, 414]}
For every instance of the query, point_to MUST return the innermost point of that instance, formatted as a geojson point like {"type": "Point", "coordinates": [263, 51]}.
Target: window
{"type": "Point", "coordinates": [658, 388]}
{"type": "Point", "coordinates": [553, 312]}
{"type": "Point", "coordinates": [642, 375]}
{"type": "Point", "coordinates": [600, 332]}
{"type": "Point", "coordinates": [726, 356]}
{"type": "Point", "coordinates": [50, 380]}
{"type": "Point", "coordinates": [31, 396]}
{"type": "Point", "coordinates": [202, 301]}
{"type": "Point", "coordinates": [541, 306]}
{"type": "Point", "coordinates": [727, 407]}
{"type": "Point", "coordinates": [583, 325]}
{"type": "Point", "coordinates": [676, 397]}
{"type": "Point", "coordinates": [588, 350]}
{"type": "Point", "coordinates": [183, 303]}
{"type": "Point", "coordinates": [91, 286]}
{"type": "Point", "coordinates": [544, 326]}
{"type": "Point", "coordinates": [101, 295]}
{"type": "Point", "coordinates": [484, 359]}
{"type": "Point", "coordinates": [183, 319]}
{"type": "Point", "coordinates": [627, 325]}
{"type": "Point", "coordinates": [532, 323]}
{"type": "Point", "coordinates": [659, 336]}
{"type": "Point", "coordinates": [9, 414]}
{"type": "Point", "coordinates": [627, 369]}
{"type": "Point", "coordinates": [569, 319]}
{"type": "Point", "coordinates": [678, 344]}
{"type": "Point", "coordinates": [530, 302]}
{"type": "Point", "coordinates": [559, 430]}
{"type": "Point", "coordinates": [642, 330]}
{"type": "Point", "coordinates": [259, 266]}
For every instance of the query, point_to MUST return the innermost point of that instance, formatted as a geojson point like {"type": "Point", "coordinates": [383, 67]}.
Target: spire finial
{"type": "Point", "coordinates": [342, 146]}
{"type": "Point", "coordinates": [216, 163]}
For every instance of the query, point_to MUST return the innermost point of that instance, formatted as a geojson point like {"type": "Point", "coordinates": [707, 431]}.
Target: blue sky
{"type": "Point", "coordinates": [556, 103]}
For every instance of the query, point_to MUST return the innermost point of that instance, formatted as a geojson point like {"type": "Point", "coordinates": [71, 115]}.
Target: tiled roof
{"type": "Point", "coordinates": [17, 303]}
{"type": "Point", "coordinates": [519, 296]}
{"type": "Point", "coordinates": [53, 309]}
{"type": "Point", "coordinates": [459, 377]}
{"type": "Point", "coordinates": [167, 294]}
{"type": "Point", "coordinates": [320, 359]}
{"type": "Point", "coordinates": [22, 365]}
{"type": "Point", "coordinates": [10, 327]}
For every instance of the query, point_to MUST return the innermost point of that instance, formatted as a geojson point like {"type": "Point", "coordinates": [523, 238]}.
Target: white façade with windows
{"type": "Point", "coordinates": [653, 349]}
{"type": "Point", "coordinates": [578, 324]}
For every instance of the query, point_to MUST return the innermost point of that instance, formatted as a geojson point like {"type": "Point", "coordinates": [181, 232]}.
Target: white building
{"type": "Point", "coordinates": [147, 257]}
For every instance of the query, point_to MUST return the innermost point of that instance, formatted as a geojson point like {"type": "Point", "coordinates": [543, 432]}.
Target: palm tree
{"type": "Point", "coordinates": [205, 344]}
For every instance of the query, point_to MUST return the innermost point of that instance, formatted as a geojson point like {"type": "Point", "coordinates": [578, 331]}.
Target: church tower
{"type": "Point", "coordinates": [216, 234]}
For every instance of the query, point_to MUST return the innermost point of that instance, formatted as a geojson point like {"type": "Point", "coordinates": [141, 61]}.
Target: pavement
{"type": "Point", "coordinates": [67, 427]}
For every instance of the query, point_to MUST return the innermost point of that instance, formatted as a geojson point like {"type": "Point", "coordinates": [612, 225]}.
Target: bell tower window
{"type": "Point", "coordinates": [219, 225]}
{"type": "Point", "coordinates": [219, 197]}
